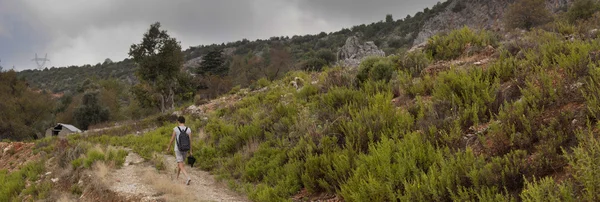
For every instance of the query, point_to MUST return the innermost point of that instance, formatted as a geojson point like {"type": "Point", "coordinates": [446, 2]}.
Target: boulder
{"type": "Point", "coordinates": [353, 52]}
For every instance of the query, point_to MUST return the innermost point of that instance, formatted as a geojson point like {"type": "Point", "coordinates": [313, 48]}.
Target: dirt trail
{"type": "Point", "coordinates": [140, 180]}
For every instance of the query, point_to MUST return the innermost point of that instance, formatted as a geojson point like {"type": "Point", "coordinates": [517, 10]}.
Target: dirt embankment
{"type": "Point", "coordinates": [13, 155]}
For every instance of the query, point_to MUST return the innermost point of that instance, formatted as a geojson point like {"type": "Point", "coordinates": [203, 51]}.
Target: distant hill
{"type": "Point", "coordinates": [388, 35]}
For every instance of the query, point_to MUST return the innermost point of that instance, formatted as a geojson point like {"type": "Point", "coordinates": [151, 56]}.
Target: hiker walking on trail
{"type": "Point", "coordinates": [183, 138]}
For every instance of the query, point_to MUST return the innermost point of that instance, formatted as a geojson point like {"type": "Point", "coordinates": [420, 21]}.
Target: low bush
{"type": "Point", "coordinates": [376, 69]}
{"type": "Point", "coordinates": [584, 163]}
{"type": "Point", "coordinates": [452, 45]}
{"type": "Point", "coordinates": [13, 184]}
{"type": "Point", "coordinates": [469, 94]}
{"type": "Point", "coordinates": [547, 189]}
{"type": "Point", "coordinates": [414, 63]}
{"type": "Point", "coordinates": [526, 14]}
{"type": "Point", "coordinates": [380, 174]}
{"type": "Point", "coordinates": [92, 156]}
{"type": "Point", "coordinates": [582, 10]}
{"type": "Point", "coordinates": [116, 157]}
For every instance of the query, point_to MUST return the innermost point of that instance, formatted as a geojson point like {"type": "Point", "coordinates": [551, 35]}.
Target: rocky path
{"type": "Point", "coordinates": [138, 179]}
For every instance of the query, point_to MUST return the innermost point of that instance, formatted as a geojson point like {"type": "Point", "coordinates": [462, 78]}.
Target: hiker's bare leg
{"type": "Point", "coordinates": [182, 168]}
{"type": "Point", "coordinates": [178, 170]}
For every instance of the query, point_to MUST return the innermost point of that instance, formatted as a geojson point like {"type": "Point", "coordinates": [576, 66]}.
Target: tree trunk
{"type": "Point", "coordinates": [162, 102]}
{"type": "Point", "coordinates": [172, 98]}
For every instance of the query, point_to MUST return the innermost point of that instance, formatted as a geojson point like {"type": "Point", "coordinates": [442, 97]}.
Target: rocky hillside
{"type": "Point", "coordinates": [477, 14]}
{"type": "Point", "coordinates": [387, 36]}
{"type": "Point", "coordinates": [304, 51]}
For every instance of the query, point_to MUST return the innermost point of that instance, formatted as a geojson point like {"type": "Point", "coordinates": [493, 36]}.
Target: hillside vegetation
{"type": "Point", "coordinates": [209, 70]}
{"type": "Point", "coordinates": [472, 116]}
{"type": "Point", "coordinates": [522, 126]}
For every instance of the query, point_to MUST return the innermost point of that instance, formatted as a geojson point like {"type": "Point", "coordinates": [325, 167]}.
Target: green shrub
{"type": "Point", "coordinates": [208, 156]}
{"type": "Point", "coordinates": [13, 183]}
{"type": "Point", "coordinates": [444, 180]}
{"type": "Point", "coordinates": [563, 27]}
{"type": "Point", "coordinates": [468, 92]}
{"type": "Point", "coordinates": [379, 175]}
{"type": "Point", "coordinates": [367, 123]}
{"type": "Point", "coordinates": [452, 45]}
{"type": "Point", "coordinates": [38, 191]}
{"type": "Point", "coordinates": [526, 14]}
{"type": "Point", "coordinates": [547, 189]}
{"type": "Point", "coordinates": [502, 172]}
{"type": "Point", "coordinates": [375, 69]}
{"type": "Point", "coordinates": [582, 10]}
{"type": "Point", "coordinates": [264, 160]}
{"type": "Point", "coordinates": [543, 89]}
{"type": "Point", "coordinates": [92, 156]}
{"type": "Point", "coordinates": [77, 163]}
{"type": "Point", "coordinates": [306, 92]}
{"type": "Point", "coordinates": [585, 162]}
{"type": "Point", "coordinates": [420, 86]}
{"type": "Point", "coordinates": [505, 68]}
{"type": "Point", "coordinates": [235, 89]}
{"type": "Point", "coordinates": [145, 145]}
{"type": "Point", "coordinates": [117, 157]}
{"type": "Point", "coordinates": [591, 92]}
{"type": "Point", "coordinates": [263, 82]}
{"type": "Point", "coordinates": [336, 77]}
{"type": "Point", "coordinates": [414, 63]}
{"type": "Point", "coordinates": [76, 190]}
{"type": "Point", "coordinates": [313, 64]}
{"type": "Point", "coordinates": [159, 162]}
{"type": "Point", "coordinates": [283, 181]}
{"type": "Point", "coordinates": [326, 172]}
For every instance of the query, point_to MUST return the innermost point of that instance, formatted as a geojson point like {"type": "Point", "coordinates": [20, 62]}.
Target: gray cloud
{"type": "Point", "coordinates": [75, 32]}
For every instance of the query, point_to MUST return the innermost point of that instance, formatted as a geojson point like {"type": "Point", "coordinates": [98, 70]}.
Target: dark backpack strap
{"type": "Point", "coordinates": [177, 138]}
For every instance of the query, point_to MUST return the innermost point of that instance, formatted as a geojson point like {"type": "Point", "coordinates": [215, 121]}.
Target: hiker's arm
{"type": "Point", "coordinates": [171, 142]}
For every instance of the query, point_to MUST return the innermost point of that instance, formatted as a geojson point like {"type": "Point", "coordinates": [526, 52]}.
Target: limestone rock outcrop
{"type": "Point", "coordinates": [353, 52]}
{"type": "Point", "coordinates": [475, 14]}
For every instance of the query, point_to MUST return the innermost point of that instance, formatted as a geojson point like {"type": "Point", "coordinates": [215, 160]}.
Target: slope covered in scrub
{"type": "Point", "coordinates": [523, 126]}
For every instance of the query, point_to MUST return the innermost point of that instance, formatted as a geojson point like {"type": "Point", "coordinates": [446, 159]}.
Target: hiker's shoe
{"type": "Point", "coordinates": [188, 181]}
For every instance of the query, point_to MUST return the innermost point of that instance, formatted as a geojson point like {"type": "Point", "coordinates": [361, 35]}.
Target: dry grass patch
{"type": "Point", "coordinates": [173, 190]}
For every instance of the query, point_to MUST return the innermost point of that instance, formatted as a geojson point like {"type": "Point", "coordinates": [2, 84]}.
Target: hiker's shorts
{"type": "Point", "coordinates": [180, 155]}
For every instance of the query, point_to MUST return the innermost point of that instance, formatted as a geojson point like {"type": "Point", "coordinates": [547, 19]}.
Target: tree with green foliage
{"type": "Point", "coordinates": [160, 59]}
{"type": "Point", "coordinates": [24, 113]}
{"type": "Point", "coordinates": [526, 14]}
{"type": "Point", "coordinates": [326, 55]}
{"type": "Point", "coordinates": [107, 61]}
{"type": "Point", "coordinates": [582, 10]}
{"type": "Point", "coordinates": [90, 112]}
{"type": "Point", "coordinates": [313, 64]}
{"type": "Point", "coordinates": [213, 63]}
{"type": "Point", "coordinates": [389, 18]}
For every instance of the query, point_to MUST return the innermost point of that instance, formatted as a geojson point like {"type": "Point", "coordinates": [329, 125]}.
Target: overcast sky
{"type": "Point", "coordinates": [77, 32]}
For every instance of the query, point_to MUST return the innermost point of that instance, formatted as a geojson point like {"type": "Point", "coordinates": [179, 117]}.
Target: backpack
{"type": "Point", "coordinates": [183, 142]}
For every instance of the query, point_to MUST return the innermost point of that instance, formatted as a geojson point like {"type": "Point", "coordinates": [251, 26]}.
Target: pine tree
{"type": "Point", "coordinates": [213, 63]}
